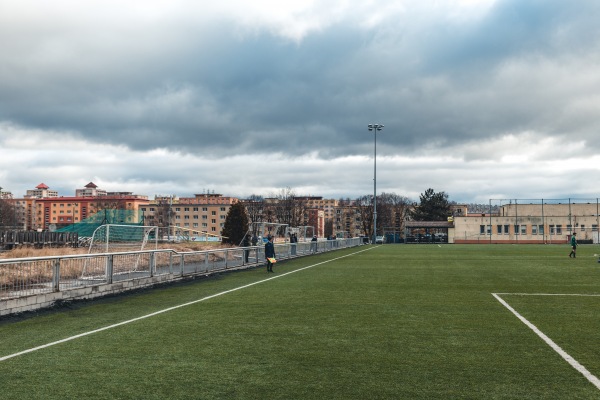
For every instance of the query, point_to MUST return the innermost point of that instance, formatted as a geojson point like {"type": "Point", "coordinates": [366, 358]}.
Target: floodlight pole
{"type": "Point", "coordinates": [375, 128]}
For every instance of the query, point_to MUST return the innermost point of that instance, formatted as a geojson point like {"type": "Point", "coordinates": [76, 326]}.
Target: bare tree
{"type": "Point", "coordinates": [299, 208]}
{"type": "Point", "coordinates": [364, 205]}
{"type": "Point", "coordinates": [163, 214]}
{"type": "Point", "coordinates": [255, 208]}
{"type": "Point", "coordinates": [283, 207]}
{"type": "Point", "coordinates": [394, 210]}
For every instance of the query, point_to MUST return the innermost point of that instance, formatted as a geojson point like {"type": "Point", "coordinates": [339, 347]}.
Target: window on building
{"type": "Point", "coordinates": [541, 229]}
{"type": "Point", "coordinates": [177, 209]}
{"type": "Point", "coordinates": [559, 229]}
{"type": "Point", "coordinates": [523, 229]}
{"type": "Point", "coordinates": [223, 209]}
{"type": "Point", "coordinates": [213, 213]}
{"type": "Point", "coordinates": [582, 228]}
{"type": "Point", "coordinates": [534, 229]}
{"type": "Point", "coordinates": [594, 228]}
{"type": "Point", "coordinates": [481, 229]}
{"type": "Point", "coordinates": [195, 208]}
{"type": "Point", "coordinates": [517, 229]}
{"type": "Point", "coordinates": [552, 230]}
{"type": "Point", "coordinates": [204, 209]}
{"type": "Point", "coordinates": [213, 221]}
{"type": "Point", "coordinates": [569, 228]}
{"type": "Point", "coordinates": [506, 229]}
{"type": "Point", "coordinates": [499, 229]}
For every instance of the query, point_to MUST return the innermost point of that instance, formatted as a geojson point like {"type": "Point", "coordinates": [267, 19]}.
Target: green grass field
{"type": "Point", "coordinates": [385, 322]}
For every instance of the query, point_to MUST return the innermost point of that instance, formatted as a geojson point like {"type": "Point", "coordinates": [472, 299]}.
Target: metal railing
{"type": "Point", "coordinates": [21, 277]}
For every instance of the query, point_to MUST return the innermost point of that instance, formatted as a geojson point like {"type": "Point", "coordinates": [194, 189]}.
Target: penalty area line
{"type": "Point", "coordinates": [68, 339]}
{"type": "Point", "coordinates": [574, 363]}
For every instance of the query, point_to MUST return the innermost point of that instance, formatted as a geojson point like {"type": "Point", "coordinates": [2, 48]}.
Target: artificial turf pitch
{"type": "Point", "coordinates": [372, 322]}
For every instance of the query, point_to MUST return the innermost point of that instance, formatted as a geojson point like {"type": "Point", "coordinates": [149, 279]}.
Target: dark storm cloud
{"type": "Point", "coordinates": [434, 83]}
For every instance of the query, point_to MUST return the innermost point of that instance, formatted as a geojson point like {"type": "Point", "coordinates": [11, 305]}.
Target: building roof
{"type": "Point", "coordinates": [91, 185]}
{"type": "Point", "coordinates": [429, 224]}
{"type": "Point", "coordinates": [42, 186]}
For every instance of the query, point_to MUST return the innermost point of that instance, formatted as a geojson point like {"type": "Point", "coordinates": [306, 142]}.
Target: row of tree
{"type": "Point", "coordinates": [288, 208]}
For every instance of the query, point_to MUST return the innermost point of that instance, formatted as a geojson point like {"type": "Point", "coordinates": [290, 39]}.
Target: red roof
{"type": "Point", "coordinates": [91, 185]}
{"type": "Point", "coordinates": [42, 186]}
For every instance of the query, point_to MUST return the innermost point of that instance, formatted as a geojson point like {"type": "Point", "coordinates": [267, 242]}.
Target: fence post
{"type": "Point", "coordinates": [226, 258]}
{"type": "Point", "coordinates": [152, 263]}
{"type": "Point", "coordinates": [56, 276]}
{"type": "Point", "coordinates": [109, 269]}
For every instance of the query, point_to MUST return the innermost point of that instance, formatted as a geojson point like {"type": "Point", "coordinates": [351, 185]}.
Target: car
{"type": "Point", "coordinates": [379, 239]}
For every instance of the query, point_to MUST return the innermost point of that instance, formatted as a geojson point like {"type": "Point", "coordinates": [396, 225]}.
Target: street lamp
{"type": "Point", "coordinates": [375, 128]}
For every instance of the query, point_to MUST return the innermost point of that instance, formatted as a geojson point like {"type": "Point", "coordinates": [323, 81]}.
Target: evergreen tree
{"type": "Point", "coordinates": [433, 207]}
{"type": "Point", "coordinates": [7, 214]}
{"type": "Point", "coordinates": [236, 224]}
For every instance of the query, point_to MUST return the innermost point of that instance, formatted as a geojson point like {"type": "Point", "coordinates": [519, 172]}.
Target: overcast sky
{"type": "Point", "coordinates": [481, 99]}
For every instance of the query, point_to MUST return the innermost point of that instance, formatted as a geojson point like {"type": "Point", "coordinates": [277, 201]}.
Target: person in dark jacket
{"type": "Point", "coordinates": [269, 253]}
{"type": "Point", "coordinates": [573, 252]}
{"type": "Point", "coordinates": [246, 244]}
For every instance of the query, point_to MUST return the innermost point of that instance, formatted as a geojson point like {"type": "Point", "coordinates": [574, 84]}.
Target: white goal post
{"type": "Point", "coordinates": [110, 238]}
{"type": "Point", "coordinates": [264, 229]}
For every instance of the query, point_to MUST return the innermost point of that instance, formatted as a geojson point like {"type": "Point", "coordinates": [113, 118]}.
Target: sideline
{"type": "Point", "coordinates": [4, 358]}
{"type": "Point", "coordinates": [574, 363]}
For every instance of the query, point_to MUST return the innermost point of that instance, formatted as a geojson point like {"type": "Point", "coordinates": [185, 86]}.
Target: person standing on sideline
{"type": "Point", "coordinates": [246, 244]}
{"type": "Point", "coordinates": [269, 253]}
{"type": "Point", "coordinates": [573, 245]}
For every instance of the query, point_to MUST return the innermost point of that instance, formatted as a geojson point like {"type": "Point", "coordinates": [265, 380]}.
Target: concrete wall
{"type": "Point", "coordinates": [43, 300]}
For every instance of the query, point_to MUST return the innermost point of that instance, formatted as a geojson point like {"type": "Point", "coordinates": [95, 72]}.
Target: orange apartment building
{"type": "Point", "coordinates": [42, 209]}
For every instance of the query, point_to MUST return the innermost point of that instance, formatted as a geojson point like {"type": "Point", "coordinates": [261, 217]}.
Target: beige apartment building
{"type": "Point", "coordinates": [195, 217]}
{"type": "Point", "coordinates": [532, 222]}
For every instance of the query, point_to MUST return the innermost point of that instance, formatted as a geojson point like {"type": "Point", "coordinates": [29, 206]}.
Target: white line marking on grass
{"type": "Point", "coordinates": [548, 294]}
{"type": "Point", "coordinates": [574, 363]}
{"type": "Point", "coordinates": [172, 308]}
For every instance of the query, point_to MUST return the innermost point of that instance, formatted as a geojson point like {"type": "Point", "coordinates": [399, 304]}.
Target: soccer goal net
{"type": "Point", "coordinates": [261, 230]}
{"type": "Point", "coordinates": [110, 238]}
